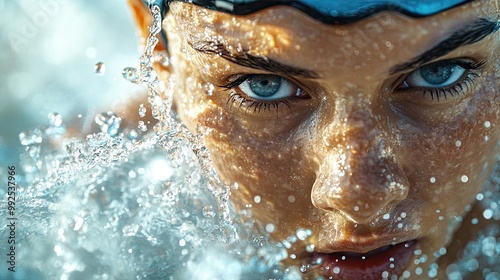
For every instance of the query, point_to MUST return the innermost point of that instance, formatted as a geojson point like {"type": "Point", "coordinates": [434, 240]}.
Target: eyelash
{"type": "Point", "coordinates": [461, 86]}
{"type": "Point", "coordinates": [257, 105]}
{"type": "Point", "coordinates": [466, 81]}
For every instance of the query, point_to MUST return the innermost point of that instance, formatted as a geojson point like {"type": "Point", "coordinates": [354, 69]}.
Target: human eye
{"type": "Point", "coordinates": [442, 81]}
{"type": "Point", "coordinates": [263, 91]}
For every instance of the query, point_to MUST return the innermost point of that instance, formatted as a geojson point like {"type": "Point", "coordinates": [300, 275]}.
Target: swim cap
{"type": "Point", "coordinates": [326, 11]}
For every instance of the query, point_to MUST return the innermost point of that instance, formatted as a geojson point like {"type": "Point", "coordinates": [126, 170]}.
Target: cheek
{"type": "Point", "coordinates": [448, 164]}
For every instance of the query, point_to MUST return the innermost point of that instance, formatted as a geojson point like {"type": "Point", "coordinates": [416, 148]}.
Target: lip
{"type": "Point", "coordinates": [344, 265]}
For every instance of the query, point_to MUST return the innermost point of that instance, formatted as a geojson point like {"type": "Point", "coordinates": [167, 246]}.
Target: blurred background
{"type": "Point", "coordinates": [48, 51]}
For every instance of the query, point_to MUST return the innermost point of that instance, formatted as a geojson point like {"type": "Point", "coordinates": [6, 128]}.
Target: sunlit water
{"type": "Point", "coordinates": [143, 202]}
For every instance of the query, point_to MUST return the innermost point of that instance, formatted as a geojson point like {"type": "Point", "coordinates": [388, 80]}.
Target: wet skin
{"type": "Point", "coordinates": [364, 154]}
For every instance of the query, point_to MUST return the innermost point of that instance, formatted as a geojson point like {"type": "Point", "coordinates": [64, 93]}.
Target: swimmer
{"type": "Point", "coordinates": [374, 124]}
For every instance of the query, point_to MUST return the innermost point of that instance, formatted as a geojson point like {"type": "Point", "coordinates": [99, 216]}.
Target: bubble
{"type": "Point", "coordinates": [30, 137]}
{"type": "Point", "coordinates": [433, 180]}
{"type": "Point", "coordinates": [474, 221]}
{"type": "Point", "coordinates": [487, 124]}
{"type": "Point", "coordinates": [257, 199]}
{"type": "Point", "coordinates": [303, 268]}
{"type": "Point", "coordinates": [458, 143]}
{"type": "Point", "coordinates": [356, 208]}
{"type": "Point", "coordinates": [336, 270]}
{"type": "Point", "coordinates": [291, 199]}
{"type": "Point", "coordinates": [386, 216]}
{"type": "Point", "coordinates": [99, 68]}
{"type": "Point", "coordinates": [464, 178]}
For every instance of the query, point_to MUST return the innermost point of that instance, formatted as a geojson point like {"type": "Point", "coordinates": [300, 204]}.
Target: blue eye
{"type": "Point", "coordinates": [268, 87]}
{"type": "Point", "coordinates": [435, 75]}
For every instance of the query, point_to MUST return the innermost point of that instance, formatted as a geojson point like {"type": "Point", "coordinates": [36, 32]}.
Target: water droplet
{"type": "Point", "coordinates": [142, 126]}
{"type": "Point", "coordinates": [433, 180]}
{"type": "Point", "coordinates": [487, 124]}
{"type": "Point", "coordinates": [55, 119]}
{"type": "Point", "coordinates": [270, 228]}
{"type": "Point", "coordinates": [108, 122]}
{"type": "Point", "coordinates": [130, 230]}
{"type": "Point", "coordinates": [356, 208]}
{"type": "Point", "coordinates": [142, 111]}
{"type": "Point", "coordinates": [336, 270]}
{"type": "Point", "coordinates": [182, 242]}
{"type": "Point", "coordinates": [209, 89]}
{"type": "Point", "coordinates": [458, 143]}
{"type": "Point", "coordinates": [97, 139]}
{"type": "Point", "coordinates": [162, 58]}
{"type": "Point", "coordinates": [208, 211]}
{"type": "Point", "coordinates": [479, 197]}
{"type": "Point", "coordinates": [291, 199]}
{"type": "Point", "coordinates": [99, 68]}
{"type": "Point", "coordinates": [303, 268]}
{"type": "Point", "coordinates": [302, 234]}
{"type": "Point", "coordinates": [257, 199]}
{"type": "Point", "coordinates": [488, 214]}
{"type": "Point", "coordinates": [464, 179]}
{"type": "Point", "coordinates": [474, 221]}
{"type": "Point", "coordinates": [130, 74]}
{"type": "Point", "coordinates": [310, 248]}
{"type": "Point", "coordinates": [386, 216]}
{"type": "Point", "coordinates": [30, 137]}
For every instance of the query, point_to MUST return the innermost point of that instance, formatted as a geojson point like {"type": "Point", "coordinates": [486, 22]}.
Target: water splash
{"type": "Point", "coordinates": [121, 203]}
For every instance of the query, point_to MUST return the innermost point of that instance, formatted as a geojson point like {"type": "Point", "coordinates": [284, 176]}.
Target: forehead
{"type": "Point", "coordinates": [287, 35]}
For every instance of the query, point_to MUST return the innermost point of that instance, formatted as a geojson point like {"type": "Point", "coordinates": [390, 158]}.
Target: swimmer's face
{"type": "Point", "coordinates": [369, 134]}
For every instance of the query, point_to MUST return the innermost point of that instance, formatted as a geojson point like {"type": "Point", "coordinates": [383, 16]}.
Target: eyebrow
{"type": "Point", "coordinates": [469, 34]}
{"type": "Point", "coordinates": [244, 58]}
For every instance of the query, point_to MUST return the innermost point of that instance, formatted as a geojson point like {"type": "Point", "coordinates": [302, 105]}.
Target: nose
{"type": "Point", "coordinates": [358, 176]}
